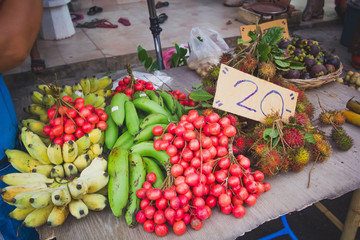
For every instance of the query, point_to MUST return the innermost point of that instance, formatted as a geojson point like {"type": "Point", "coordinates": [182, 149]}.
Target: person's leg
{"type": "Point", "coordinates": [37, 64]}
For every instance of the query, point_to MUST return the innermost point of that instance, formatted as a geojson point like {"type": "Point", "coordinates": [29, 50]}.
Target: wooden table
{"type": "Point", "coordinates": [289, 193]}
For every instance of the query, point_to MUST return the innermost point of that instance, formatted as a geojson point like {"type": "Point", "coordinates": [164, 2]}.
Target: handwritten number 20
{"type": "Point", "coordinates": [240, 103]}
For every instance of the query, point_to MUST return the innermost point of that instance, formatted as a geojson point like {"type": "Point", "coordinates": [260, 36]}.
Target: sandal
{"type": "Point", "coordinates": [105, 24]}
{"type": "Point", "coordinates": [161, 4]}
{"type": "Point", "coordinates": [162, 17]}
{"type": "Point", "coordinates": [94, 10]}
{"type": "Point", "coordinates": [37, 63]}
{"type": "Point", "coordinates": [76, 17]}
{"type": "Point", "coordinates": [124, 21]}
{"type": "Point", "coordinates": [86, 25]}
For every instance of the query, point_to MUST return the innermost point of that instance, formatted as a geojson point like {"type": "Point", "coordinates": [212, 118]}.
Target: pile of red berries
{"type": "Point", "coordinates": [129, 89]}
{"type": "Point", "coordinates": [182, 98]}
{"type": "Point", "coordinates": [205, 175]}
{"type": "Point", "coordinates": [72, 120]}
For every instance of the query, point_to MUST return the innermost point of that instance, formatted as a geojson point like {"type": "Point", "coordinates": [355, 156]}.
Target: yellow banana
{"type": "Point", "coordinates": [20, 214]}
{"type": "Point", "coordinates": [102, 138]}
{"type": "Point", "coordinates": [70, 170]}
{"type": "Point", "coordinates": [95, 201]}
{"type": "Point", "coordinates": [45, 89]}
{"type": "Point", "coordinates": [35, 126]}
{"type": "Point", "coordinates": [61, 196]}
{"type": "Point", "coordinates": [82, 161]}
{"type": "Point", "coordinates": [105, 83]}
{"type": "Point", "coordinates": [90, 99]}
{"type": "Point", "coordinates": [85, 85]}
{"type": "Point", "coordinates": [58, 215]}
{"type": "Point", "coordinates": [102, 106]}
{"type": "Point", "coordinates": [54, 153]}
{"type": "Point", "coordinates": [21, 161]}
{"type": "Point", "coordinates": [101, 92]}
{"type": "Point", "coordinates": [96, 149]}
{"type": "Point", "coordinates": [100, 100]}
{"type": "Point", "coordinates": [96, 181]}
{"type": "Point", "coordinates": [43, 169]}
{"type": "Point", "coordinates": [67, 89]}
{"type": "Point", "coordinates": [94, 84]}
{"type": "Point", "coordinates": [83, 144]}
{"type": "Point", "coordinates": [43, 118]}
{"type": "Point", "coordinates": [41, 199]}
{"type": "Point", "coordinates": [98, 164]}
{"type": "Point", "coordinates": [78, 208]}
{"type": "Point", "coordinates": [103, 191]}
{"type": "Point", "coordinates": [15, 179]}
{"type": "Point", "coordinates": [10, 192]}
{"type": "Point", "coordinates": [78, 188]}
{"type": "Point", "coordinates": [36, 97]}
{"type": "Point", "coordinates": [38, 217]}
{"type": "Point", "coordinates": [77, 87]}
{"type": "Point", "coordinates": [91, 155]}
{"type": "Point", "coordinates": [22, 200]}
{"type": "Point", "coordinates": [34, 145]}
{"type": "Point", "coordinates": [35, 109]}
{"type": "Point", "coordinates": [48, 100]}
{"type": "Point", "coordinates": [95, 135]}
{"type": "Point", "coordinates": [69, 151]}
{"type": "Point", "coordinates": [57, 171]}
{"type": "Point", "coordinates": [108, 93]}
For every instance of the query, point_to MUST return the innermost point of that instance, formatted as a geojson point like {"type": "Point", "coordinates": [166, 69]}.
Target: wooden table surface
{"type": "Point", "coordinates": [331, 179]}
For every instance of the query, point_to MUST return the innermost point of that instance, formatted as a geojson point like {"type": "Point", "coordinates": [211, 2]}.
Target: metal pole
{"type": "Point", "coordinates": [155, 29]}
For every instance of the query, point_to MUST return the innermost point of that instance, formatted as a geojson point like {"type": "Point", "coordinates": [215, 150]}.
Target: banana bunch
{"type": "Point", "coordinates": [40, 199]}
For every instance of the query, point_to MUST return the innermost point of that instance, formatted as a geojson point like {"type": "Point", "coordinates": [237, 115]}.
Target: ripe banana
{"type": "Point", "coordinates": [170, 101]}
{"type": "Point", "coordinates": [98, 164]}
{"type": "Point", "coordinates": [78, 208]}
{"type": "Point", "coordinates": [77, 87]}
{"type": "Point", "coordinates": [151, 166]}
{"type": "Point", "coordinates": [150, 106]}
{"type": "Point", "coordinates": [103, 191]}
{"type": "Point", "coordinates": [57, 216]}
{"type": "Point", "coordinates": [146, 134]}
{"type": "Point", "coordinates": [35, 126]}
{"type": "Point", "coordinates": [125, 140]}
{"type": "Point", "coordinates": [67, 89]}
{"type": "Point", "coordinates": [131, 118]}
{"type": "Point", "coordinates": [10, 192]}
{"type": "Point", "coordinates": [117, 107]}
{"type": "Point", "coordinates": [94, 84]}
{"type": "Point", "coordinates": [54, 153]}
{"type": "Point", "coordinates": [70, 170]}
{"type": "Point", "coordinates": [22, 200]}
{"type": "Point", "coordinates": [21, 161]}
{"type": "Point", "coordinates": [95, 181]}
{"type": "Point", "coordinates": [85, 85]}
{"type": "Point", "coordinates": [45, 89]}
{"type": "Point", "coordinates": [146, 149]}
{"type": "Point", "coordinates": [102, 138]}
{"type": "Point", "coordinates": [38, 217]}
{"type": "Point", "coordinates": [16, 179]}
{"type": "Point", "coordinates": [61, 196]}
{"type": "Point", "coordinates": [100, 100]}
{"type": "Point", "coordinates": [57, 172]}
{"type": "Point", "coordinates": [78, 188]}
{"type": "Point", "coordinates": [154, 118]}
{"type": "Point", "coordinates": [41, 199]}
{"type": "Point", "coordinates": [90, 99]}
{"type": "Point", "coordinates": [83, 144]}
{"type": "Point", "coordinates": [36, 97]}
{"type": "Point", "coordinates": [69, 151]}
{"type": "Point", "coordinates": [96, 149]}
{"type": "Point", "coordinates": [35, 147]}
{"type": "Point", "coordinates": [95, 135]}
{"type": "Point", "coordinates": [95, 201]}
{"type": "Point", "coordinates": [20, 214]}
{"type": "Point", "coordinates": [105, 83]}
{"type": "Point", "coordinates": [155, 96]}
{"type": "Point", "coordinates": [137, 178]}
{"type": "Point", "coordinates": [43, 169]}
{"type": "Point", "coordinates": [81, 162]}
{"type": "Point", "coordinates": [48, 100]}
{"type": "Point", "coordinates": [91, 155]}
{"type": "Point", "coordinates": [112, 130]}
{"type": "Point", "coordinates": [118, 187]}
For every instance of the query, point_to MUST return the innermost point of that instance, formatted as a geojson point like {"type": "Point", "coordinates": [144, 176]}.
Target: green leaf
{"type": "Point", "coordinates": [283, 69]}
{"type": "Point", "coordinates": [273, 36]}
{"type": "Point", "coordinates": [148, 62]}
{"type": "Point", "coordinates": [197, 86]}
{"type": "Point", "coordinates": [142, 55]}
{"type": "Point", "coordinates": [282, 58]}
{"type": "Point", "coordinates": [263, 51]}
{"type": "Point", "coordinates": [154, 66]}
{"type": "Point", "coordinates": [200, 95]}
{"type": "Point", "coordinates": [177, 48]}
{"type": "Point", "coordinates": [206, 105]}
{"type": "Point", "coordinates": [270, 133]}
{"type": "Point", "coordinates": [297, 64]}
{"type": "Point", "coordinates": [310, 138]}
{"type": "Point", "coordinates": [174, 60]}
{"type": "Point", "coordinates": [296, 67]}
{"type": "Point", "coordinates": [183, 52]}
{"type": "Point", "coordinates": [252, 35]}
{"type": "Point", "coordinates": [240, 41]}
{"type": "Point", "coordinates": [282, 63]}
{"type": "Point", "coordinates": [199, 38]}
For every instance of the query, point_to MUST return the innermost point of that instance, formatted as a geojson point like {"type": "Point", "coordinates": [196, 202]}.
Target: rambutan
{"type": "Point", "coordinates": [302, 97]}
{"type": "Point", "coordinates": [339, 118]}
{"type": "Point", "coordinates": [342, 141]}
{"type": "Point", "coordinates": [242, 68]}
{"type": "Point", "coordinates": [250, 64]}
{"type": "Point", "coordinates": [318, 137]}
{"type": "Point", "coordinates": [259, 131]}
{"type": "Point", "coordinates": [300, 107]}
{"type": "Point", "coordinates": [260, 149]}
{"type": "Point", "coordinates": [293, 137]}
{"type": "Point", "coordinates": [240, 144]}
{"type": "Point", "coordinates": [326, 117]}
{"type": "Point", "coordinates": [271, 158]}
{"type": "Point", "coordinates": [300, 119]}
{"type": "Point", "coordinates": [297, 167]}
{"type": "Point", "coordinates": [225, 57]}
{"type": "Point", "coordinates": [309, 109]}
{"type": "Point", "coordinates": [286, 165]}
{"type": "Point", "coordinates": [249, 141]}
{"type": "Point", "coordinates": [301, 156]}
{"type": "Point", "coordinates": [267, 70]}
{"type": "Point", "coordinates": [233, 119]}
{"type": "Point", "coordinates": [267, 170]}
{"type": "Point", "coordinates": [321, 151]}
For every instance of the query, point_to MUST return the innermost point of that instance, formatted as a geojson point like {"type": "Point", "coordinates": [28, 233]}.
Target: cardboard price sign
{"type": "Point", "coordinates": [244, 30]}
{"type": "Point", "coordinates": [248, 96]}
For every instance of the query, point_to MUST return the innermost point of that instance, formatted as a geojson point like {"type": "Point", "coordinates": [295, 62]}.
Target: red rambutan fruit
{"type": "Point", "coordinates": [293, 137]}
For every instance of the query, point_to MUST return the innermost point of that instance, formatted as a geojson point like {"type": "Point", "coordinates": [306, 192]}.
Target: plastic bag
{"type": "Point", "coordinates": [206, 47]}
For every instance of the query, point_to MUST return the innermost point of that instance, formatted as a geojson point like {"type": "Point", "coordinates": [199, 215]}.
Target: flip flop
{"type": "Point", "coordinates": [76, 17]}
{"type": "Point", "coordinates": [161, 4]}
{"type": "Point", "coordinates": [86, 25]}
{"type": "Point", "coordinates": [124, 21]}
{"type": "Point", "coordinates": [105, 24]}
{"type": "Point", "coordinates": [162, 17]}
{"type": "Point", "coordinates": [37, 63]}
{"type": "Point", "coordinates": [94, 10]}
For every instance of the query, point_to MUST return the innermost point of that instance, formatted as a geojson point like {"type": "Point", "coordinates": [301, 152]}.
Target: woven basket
{"type": "Point", "coordinates": [315, 82]}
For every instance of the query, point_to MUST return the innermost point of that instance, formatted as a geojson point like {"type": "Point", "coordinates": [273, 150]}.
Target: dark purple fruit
{"type": "Point", "coordinates": [330, 68]}
{"type": "Point", "coordinates": [305, 75]}
{"type": "Point", "coordinates": [313, 50]}
{"type": "Point", "coordinates": [292, 74]}
{"type": "Point", "coordinates": [333, 60]}
{"type": "Point", "coordinates": [318, 70]}
{"type": "Point", "coordinates": [283, 44]}
{"type": "Point", "coordinates": [309, 62]}
{"type": "Point", "coordinates": [297, 52]}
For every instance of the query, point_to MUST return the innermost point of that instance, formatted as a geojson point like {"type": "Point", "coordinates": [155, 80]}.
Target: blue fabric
{"type": "Point", "coordinates": [9, 227]}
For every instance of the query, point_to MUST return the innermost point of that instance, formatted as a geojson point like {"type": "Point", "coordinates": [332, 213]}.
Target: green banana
{"type": "Point", "coordinates": [15, 179]}
{"type": "Point", "coordinates": [95, 201]}
{"type": "Point", "coordinates": [36, 97]}
{"type": "Point", "coordinates": [22, 200]}
{"type": "Point", "coordinates": [81, 162]}
{"type": "Point", "coordinates": [137, 178]}
{"type": "Point", "coordinates": [20, 214]}
{"type": "Point", "coordinates": [57, 215]}
{"type": "Point", "coordinates": [57, 171]}
{"type": "Point", "coordinates": [117, 107]}
{"type": "Point", "coordinates": [78, 208]}
{"type": "Point", "coordinates": [131, 118]}
{"type": "Point", "coordinates": [61, 196]}
{"type": "Point", "coordinates": [85, 85]}
{"type": "Point", "coordinates": [154, 118]}
{"type": "Point", "coordinates": [45, 89]}
{"type": "Point", "coordinates": [21, 161]}
{"type": "Point", "coordinates": [140, 94]}
{"type": "Point", "coordinates": [48, 100]}
{"type": "Point", "coordinates": [35, 109]}
{"type": "Point", "coordinates": [152, 166]}
{"type": "Point", "coordinates": [38, 217]}
{"type": "Point", "coordinates": [100, 100]}
{"type": "Point", "coordinates": [146, 149]}
{"type": "Point", "coordinates": [90, 99]}
{"type": "Point", "coordinates": [35, 126]}
{"type": "Point", "coordinates": [43, 169]}
{"type": "Point", "coordinates": [169, 100]}
{"type": "Point", "coordinates": [118, 186]}
{"type": "Point", "coordinates": [97, 164]}
{"type": "Point", "coordinates": [155, 96]}
{"type": "Point", "coordinates": [77, 94]}
{"type": "Point", "coordinates": [146, 133]}
{"type": "Point", "coordinates": [125, 140]}
{"type": "Point", "coordinates": [54, 153]}
{"type": "Point", "coordinates": [150, 107]}
{"type": "Point", "coordinates": [69, 151]}
{"type": "Point", "coordinates": [112, 130]}
{"type": "Point", "coordinates": [70, 170]}
{"type": "Point", "coordinates": [83, 144]}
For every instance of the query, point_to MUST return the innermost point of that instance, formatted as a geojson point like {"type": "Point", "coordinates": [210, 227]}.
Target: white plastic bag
{"type": "Point", "coordinates": [206, 46]}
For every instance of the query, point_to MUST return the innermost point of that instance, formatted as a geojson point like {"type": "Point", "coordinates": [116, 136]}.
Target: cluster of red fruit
{"type": "Point", "coordinates": [71, 122]}
{"type": "Point", "coordinates": [182, 98]}
{"type": "Point", "coordinates": [140, 85]}
{"type": "Point", "coordinates": [205, 175]}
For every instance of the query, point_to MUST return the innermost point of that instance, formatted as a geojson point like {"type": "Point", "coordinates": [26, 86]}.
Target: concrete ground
{"type": "Point", "coordinates": [96, 51]}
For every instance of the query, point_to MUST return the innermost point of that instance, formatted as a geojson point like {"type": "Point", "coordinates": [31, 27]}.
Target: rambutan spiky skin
{"type": "Point", "coordinates": [320, 151]}
{"type": "Point", "coordinates": [301, 156]}
{"type": "Point", "coordinates": [300, 107]}
{"type": "Point", "coordinates": [240, 144]}
{"type": "Point", "coordinates": [271, 158]}
{"type": "Point", "coordinates": [297, 167]}
{"type": "Point", "coordinates": [309, 109]}
{"type": "Point", "coordinates": [250, 64]}
{"type": "Point", "coordinates": [260, 149]}
{"type": "Point", "coordinates": [293, 137]}
{"type": "Point", "coordinates": [225, 57]}
{"type": "Point", "coordinates": [267, 70]}
{"type": "Point", "coordinates": [339, 118]}
{"type": "Point", "coordinates": [286, 165]}
{"type": "Point", "coordinates": [318, 137]}
{"type": "Point", "coordinates": [259, 131]}
{"type": "Point", "coordinates": [268, 171]}
{"type": "Point", "coordinates": [342, 141]}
